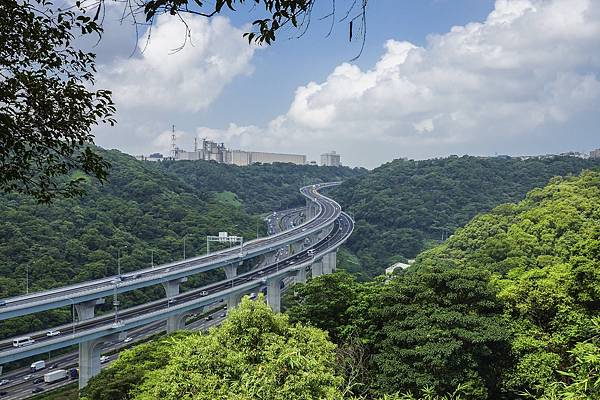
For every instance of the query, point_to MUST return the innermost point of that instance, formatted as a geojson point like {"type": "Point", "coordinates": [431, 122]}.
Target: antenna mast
{"type": "Point", "coordinates": [173, 151]}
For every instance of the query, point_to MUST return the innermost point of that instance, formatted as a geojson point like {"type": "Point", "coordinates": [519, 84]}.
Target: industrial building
{"type": "Point", "coordinates": [595, 153]}
{"type": "Point", "coordinates": [330, 159]}
{"type": "Point", "coordinates": [212, 151]}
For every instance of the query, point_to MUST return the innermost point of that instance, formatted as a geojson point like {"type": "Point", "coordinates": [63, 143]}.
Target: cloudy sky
{"type": "Point", "coordinates": [437, 77]}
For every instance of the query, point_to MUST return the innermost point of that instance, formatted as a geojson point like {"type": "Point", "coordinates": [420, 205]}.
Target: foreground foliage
{"type": "Point", "coordinates": [48, 109]}
{"type": "Point", "coordinates": [508, 307]}
{"type": "Point", "coordinates": [254, 354]}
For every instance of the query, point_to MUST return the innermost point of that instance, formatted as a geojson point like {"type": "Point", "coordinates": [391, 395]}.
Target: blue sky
{"type": "Point", "coordinates": [436, 77]}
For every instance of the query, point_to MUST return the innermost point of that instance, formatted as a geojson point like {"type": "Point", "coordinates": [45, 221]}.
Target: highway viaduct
{"type": "Point", "coordinates": [314, 244]}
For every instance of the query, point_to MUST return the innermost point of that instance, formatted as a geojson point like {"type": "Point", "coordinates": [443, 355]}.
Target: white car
{"type": "Point", "coordinates": [4, 382]}
{"type": "Point", "coordinates": [27, 377]}
{"type": "Point", "coordinates": [128, 339]}
{"type": "Point", "coordinates": [52, 332]}
{"type": "Point", "coordinates": [104, 359]}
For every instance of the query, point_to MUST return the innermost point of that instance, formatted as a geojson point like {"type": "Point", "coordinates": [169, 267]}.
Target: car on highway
{"type": "Point", "coordinates": [27, 377]}
{"type": "Point", "coordinates": [223, 315]}
{"type": "Point", "coordinates": [208, 318]}
{"type": "Point", "coordinates": [52, 332]}
{"type": "Point", "coordinates": [37, 389]}
{"type": "Point", "coordinates": [38, 380]}
{"type": "Point", "coordinates": [2, 303]}
{"type": "Point", "coordinates": [3, 393]}
{"type": "Point", "coordinates": [55, 365]}
{"type": "Point", "coordinates": [128, 339]}
{"type": "Point", "coordinates": [204, 293]}
{"type": "Point", "coordinates": [4, 382]}
{"type": "Point", "coordinates": [104, 359]}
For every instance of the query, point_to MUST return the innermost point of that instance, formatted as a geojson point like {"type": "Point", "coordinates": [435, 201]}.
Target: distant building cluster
{"type": "Point", "coordinates": [212, 151]}
{"type": "Point", "coordinates": [330, 159]}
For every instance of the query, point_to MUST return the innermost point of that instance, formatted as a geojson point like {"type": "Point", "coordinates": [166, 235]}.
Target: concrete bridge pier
{"type": "Point", "coordinates": [300, 275]}
{"type": "Point", "coordinates": [89, 357]}
{"type": "Point", "coordinates": [176, 322]}
{"type": "Point", "coordinates": [172, 289]}
{"type": "Point", "coordinates": [274, 294]}
{"type": "Point", "coordinates": [317, 268]}
{"type": "Point", "coordinates": [230, 271]}
{"type": "Point", "coordinates": [233, 300]}
{"type": "Point", "coordinates": [329, 261]}
{"type": "Point", "coordinates": [311, 209]}
{"type": "Point", "coordinates": [86, 309]}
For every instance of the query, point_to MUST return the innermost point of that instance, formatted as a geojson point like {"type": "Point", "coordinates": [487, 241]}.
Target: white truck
{"type": "Point", "coordinates": [37, 366]}
{"type": "Point", "coordinates": [55, 376]}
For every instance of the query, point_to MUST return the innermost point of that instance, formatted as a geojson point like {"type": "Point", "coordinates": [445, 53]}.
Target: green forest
{"type": "Point", "coordinates": [406, 206]}
{"type": "Point", "coordinates": [507, 308]}
{"type": "Point", "coordinates": [261, 188]}
{"type": "Point", "coordinates": [141, 215]}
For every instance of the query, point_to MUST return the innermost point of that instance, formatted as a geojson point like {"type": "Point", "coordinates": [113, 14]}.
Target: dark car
{"type": "Point", "coordinates": [3, 393]}
{"type": "Point", "coordinates": [54, 365]}
{"type": "Point", "coordinates": [38, 380]}
{"type": "Point", "coordinates": [37, 389]}
{"type": "Point", "coordinates": [208, 318]}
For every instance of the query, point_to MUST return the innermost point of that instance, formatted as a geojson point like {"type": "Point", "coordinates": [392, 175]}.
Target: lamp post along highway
{"type": "Point", "coordinates": [119, 261]}
{"type": "Point", "coordinates": [185, 237]}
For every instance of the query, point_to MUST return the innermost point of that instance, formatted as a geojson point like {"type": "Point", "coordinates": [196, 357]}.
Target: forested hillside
{"type": "Point", "coordinates": [507, 308]}
{"type": "Point", "coordinates": [144, 211]}
{"type": "Point", "coordinates": [261, 188]}
{"type": "Point", "coordinates": [404, 206]}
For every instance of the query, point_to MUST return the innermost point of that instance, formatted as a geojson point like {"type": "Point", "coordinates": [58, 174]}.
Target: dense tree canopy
{"type": "Point", "coordinates": [404, 206]}
{"type": "Point", "coordinates": [254, 354]}
{"type": "Point", "coordinates": [48, 109]}
{"type": "Point", "coordinates": [260, 187]}
{"type": "Point", "coordinates": [545, 253]}
{"type": "Point", "coordinates": [143, 213]}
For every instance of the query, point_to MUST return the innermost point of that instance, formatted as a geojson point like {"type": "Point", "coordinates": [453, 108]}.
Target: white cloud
{"type": "Point", "coordinates": [531, 65]}
{"type": "Point", "coordinates": [164, 78]}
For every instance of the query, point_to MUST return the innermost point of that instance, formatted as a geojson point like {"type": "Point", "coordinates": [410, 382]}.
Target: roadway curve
{"type": "Point", "coordinates": [329, 211]}
{"type": "Point", "coordinates": [161, 309]}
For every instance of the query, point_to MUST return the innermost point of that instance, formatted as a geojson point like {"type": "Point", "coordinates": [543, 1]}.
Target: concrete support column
{"type": "Point", "coordinates": [333, 260]}
{"type": "Point", "coordinates": [300, 275]}
{"type": "Point", "coordinates": [172, 289]}
{"type": "Point", "coordinates": [326, 264]}
{"type": "Point", "coordinates": [85, 310]}
{"type": "Point", "coordinates": [176, 323]}
{"type": "Point", "coordinates": [89, 357]}
{"type": "Point", "coordinates": [274, 294]}
{"type": "Point", "coordinates": [233, 300]}
{"type": "Point", "coordinates": [230, 271]}
{"type": "Point", "coordinates": [317, 268]}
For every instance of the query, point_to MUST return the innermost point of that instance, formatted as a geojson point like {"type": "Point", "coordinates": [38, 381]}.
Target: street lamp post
{"type": "Point", "coordinates": [119, 260]}
{"type": "Point", "coordinates": [116, 302]}
{"type": "Point", "coordinates": [73, 311]}
{"type": "Point", "coordinates": [184, 246]}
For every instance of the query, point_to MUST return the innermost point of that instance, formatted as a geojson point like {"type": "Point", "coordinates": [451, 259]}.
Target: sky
{"type": "Point", "coordinates": [436, 77]}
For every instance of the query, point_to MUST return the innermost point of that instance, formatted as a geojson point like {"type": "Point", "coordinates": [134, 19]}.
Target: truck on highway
{"type": "Point", "coordinates": [37, 366]}
{"type": "Point", "coordinates": [55, 376]}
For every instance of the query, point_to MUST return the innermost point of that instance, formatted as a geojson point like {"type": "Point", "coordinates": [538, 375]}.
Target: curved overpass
{"type": "Point", "coordinates": [328, 210]}
{"type": "Point", "coordinates": [134, 317]}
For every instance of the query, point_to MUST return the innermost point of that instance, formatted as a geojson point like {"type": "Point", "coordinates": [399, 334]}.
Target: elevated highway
{"type": "Point", "coordinates": [315, 241]}
{"type": "Point", "coordinates": [325, 212]}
